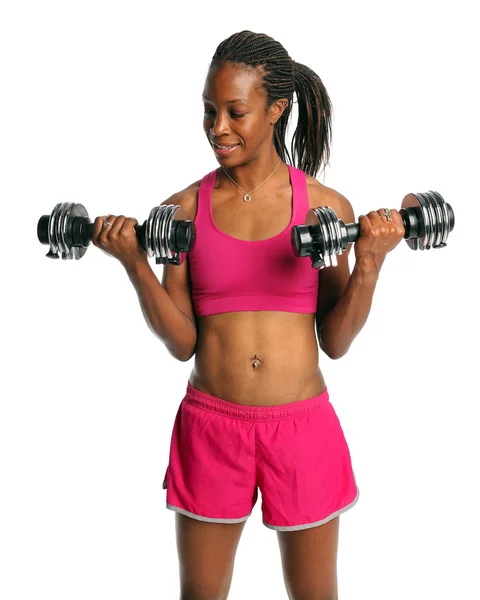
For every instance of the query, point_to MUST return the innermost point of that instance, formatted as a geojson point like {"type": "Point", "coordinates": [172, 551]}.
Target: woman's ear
{"type": "Point", "coordinates": [277, 110]}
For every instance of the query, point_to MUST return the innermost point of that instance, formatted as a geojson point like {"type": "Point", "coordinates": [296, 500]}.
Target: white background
{"type": "Point", "coordinates": [101, 104]}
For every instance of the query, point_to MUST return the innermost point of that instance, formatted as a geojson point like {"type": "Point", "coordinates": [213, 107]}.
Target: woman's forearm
{"type": "Point", "coordinates": [345, 321]}
{"type": "Point", "coordinates": [162, 315]}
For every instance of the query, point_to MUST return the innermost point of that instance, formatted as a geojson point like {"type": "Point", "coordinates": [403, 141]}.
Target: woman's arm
{"type": "Point", "coordinates": [166, 320]}
{"type": "Point", "coordinates": [172, 326]}
{"type": "Point", "coordinates": [344, 299]}
{"type": "Point", "coordinates": [345, 321]}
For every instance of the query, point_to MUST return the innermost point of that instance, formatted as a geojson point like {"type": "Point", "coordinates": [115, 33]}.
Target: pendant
{"type": "Point", "coordinates": [247, 198]}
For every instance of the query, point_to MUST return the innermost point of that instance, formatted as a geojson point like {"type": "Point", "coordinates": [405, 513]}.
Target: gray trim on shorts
{"type": "Point", "coordinates": [207, 519]}
{"type": "Point", "coordinates": [309, 525]}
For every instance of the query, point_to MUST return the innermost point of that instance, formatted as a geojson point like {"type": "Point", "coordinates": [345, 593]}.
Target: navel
{"type": "Point", "coordinates": [256, 361]}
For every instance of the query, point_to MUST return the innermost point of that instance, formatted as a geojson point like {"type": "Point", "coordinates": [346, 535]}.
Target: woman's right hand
{"type": "Point", "coordinates": [116, 236]}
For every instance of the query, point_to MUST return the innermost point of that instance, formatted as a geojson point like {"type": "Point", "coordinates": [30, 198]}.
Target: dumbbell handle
{"type": "Point", "coordinates": [79, 232]}
{"type": "Point", "coordinates": [353, 232]}
{"type": "Point", "coordinates": [409, 222]}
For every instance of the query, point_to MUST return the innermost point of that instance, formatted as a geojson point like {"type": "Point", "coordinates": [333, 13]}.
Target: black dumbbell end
{"type": "Point", "coordinates": [140, 231]}
{"type": "Point", "coordinates": [184, 235]}
{"type": "Point", "coordinates": [301, 240]}
{"type": "Point", "coordinates": [42, 229]}
{"type": "Point", "coordinates": [79, 232]}
{"type": "Point", "coordinates": [410, 222]}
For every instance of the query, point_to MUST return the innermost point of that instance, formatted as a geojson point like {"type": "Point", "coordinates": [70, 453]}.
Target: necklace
{"type": "Point", "coordinates": [247, 196]}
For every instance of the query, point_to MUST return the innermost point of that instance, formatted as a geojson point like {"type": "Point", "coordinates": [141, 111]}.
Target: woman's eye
{"type": "Point", "coordinates": [234, 115]}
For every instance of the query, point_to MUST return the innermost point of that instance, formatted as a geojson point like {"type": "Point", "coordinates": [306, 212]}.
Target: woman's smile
{"type": "Point", "coordinates": [224, 150]}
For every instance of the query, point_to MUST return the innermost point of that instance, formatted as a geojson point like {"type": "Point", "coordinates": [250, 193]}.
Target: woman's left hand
{"type": "Point", "coordinates": [378, 236]}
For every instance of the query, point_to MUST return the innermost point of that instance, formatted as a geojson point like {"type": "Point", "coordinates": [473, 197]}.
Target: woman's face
{"type": "Point", "coordinates": [235, 116]}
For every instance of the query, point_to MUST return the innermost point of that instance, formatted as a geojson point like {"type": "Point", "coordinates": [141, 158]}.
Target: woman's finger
{"type": "Point", "coordinates": [98, 225]}
{"type": "Point", "coordinates": [108, 223]}
{"type": "Point", "coordinates": [364, 222]}
{"type": "Point", "coordinates": [397, 219]}
{"type": "Point", "coordinates": [102, 225]}
{"type": "Point", "coordinates": [128, 226]}
{"type": "Point", "coordinates": [115, 228]}
{"type": "Point", "coordinates": [377, 221]}
{"type": "Point", "coordinates": [394, 225]}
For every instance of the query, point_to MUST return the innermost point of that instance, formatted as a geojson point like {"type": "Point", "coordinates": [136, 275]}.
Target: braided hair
{"type": "Point", "coordinates": [281, 77]}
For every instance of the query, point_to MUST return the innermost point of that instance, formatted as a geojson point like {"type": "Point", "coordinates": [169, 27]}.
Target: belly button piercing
{"type": "Point", "coordinates": [255, 361]}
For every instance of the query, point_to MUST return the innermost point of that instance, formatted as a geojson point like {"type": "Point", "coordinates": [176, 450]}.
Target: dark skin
{"type": "Point", "coordinates": [285, 342]}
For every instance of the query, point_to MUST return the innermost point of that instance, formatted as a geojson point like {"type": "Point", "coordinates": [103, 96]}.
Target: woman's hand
{"type": "Point", "coordinates": [378, 236]}
{"type": "Point", "coordinates": [116, 236]}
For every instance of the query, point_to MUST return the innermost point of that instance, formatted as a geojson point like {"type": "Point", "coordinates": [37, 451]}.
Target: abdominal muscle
{"type": "Point", "coordinates": [285, 344]}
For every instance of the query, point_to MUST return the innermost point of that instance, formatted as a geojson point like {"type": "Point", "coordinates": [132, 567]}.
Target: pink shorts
{"type": "Point", "coordinates": [222, 452]}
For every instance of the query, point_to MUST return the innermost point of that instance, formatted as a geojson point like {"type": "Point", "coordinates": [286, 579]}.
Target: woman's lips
{"type": "Point", "coordinates": [224, 151]}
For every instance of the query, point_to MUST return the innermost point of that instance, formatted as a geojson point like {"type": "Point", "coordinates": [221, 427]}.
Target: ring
{"type": "Point", "coordinates": [387, 214]}
{"type": "Point", "coordinates": [105, 223]}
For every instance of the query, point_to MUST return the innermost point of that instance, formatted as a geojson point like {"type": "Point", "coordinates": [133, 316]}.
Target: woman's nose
{"type": "Point", "coordinates": [220, 126]}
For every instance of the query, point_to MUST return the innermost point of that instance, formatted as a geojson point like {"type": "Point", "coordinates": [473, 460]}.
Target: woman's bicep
{"type": "Point", "coordinates": [332, 281]}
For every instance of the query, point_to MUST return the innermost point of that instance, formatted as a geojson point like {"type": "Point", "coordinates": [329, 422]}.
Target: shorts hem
{"type": "Point", "coordinates": [206, 519]}
{"type": "Point", "coordinates": [316, 523]}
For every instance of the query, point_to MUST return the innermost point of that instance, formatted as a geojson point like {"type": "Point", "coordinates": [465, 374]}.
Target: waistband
{"type": "Point", "coordinates": [254, 413]}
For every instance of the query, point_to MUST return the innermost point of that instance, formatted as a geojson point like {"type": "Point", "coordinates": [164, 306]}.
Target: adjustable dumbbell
{"type": "Point", "coordinates": [427, 219]}
{"type": "Point", "coordinates": [167, 233]}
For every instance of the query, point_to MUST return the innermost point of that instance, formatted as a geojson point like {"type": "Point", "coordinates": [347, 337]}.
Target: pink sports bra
{"type": "Point", "coordinates": [229, 274]}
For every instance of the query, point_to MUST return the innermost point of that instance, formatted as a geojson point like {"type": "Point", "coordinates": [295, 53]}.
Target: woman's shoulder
{"type": "Point", "coordinates": [186, 198]}
{"type": "Point", "coordinates": [318, 193]}
{"type": "Point", "coordinates": [322, 195]}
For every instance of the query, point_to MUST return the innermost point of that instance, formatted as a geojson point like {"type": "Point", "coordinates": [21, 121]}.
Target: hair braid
{"type": "Point", "coordinates": [281, 78]}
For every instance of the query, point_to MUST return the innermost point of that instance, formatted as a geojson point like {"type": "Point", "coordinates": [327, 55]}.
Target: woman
{"type": "Point", "coordinates": [257, 412]}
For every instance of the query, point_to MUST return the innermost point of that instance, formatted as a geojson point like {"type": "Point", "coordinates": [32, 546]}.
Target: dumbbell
{"type": "Point", "coordinates": [427, 219]}
{"type": "Point", "coordinates": [167, 234]}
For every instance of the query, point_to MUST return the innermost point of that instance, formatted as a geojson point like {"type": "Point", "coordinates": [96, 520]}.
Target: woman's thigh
{"type": "Point", "coordinates": [309, 561]}
{"type": "Point", "coordinates": [206, 554]}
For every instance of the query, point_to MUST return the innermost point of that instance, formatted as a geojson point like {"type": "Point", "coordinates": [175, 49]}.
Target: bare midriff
{"type": "Point", "coordinates": [285, 342]}
{"type": "Point", "coordinates": [257, 358]}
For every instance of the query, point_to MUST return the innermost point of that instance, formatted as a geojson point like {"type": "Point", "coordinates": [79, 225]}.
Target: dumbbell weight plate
{"type": "Point", "coordinates": [329, 252]}
{"type": "Point", "coordinates": [443, 219]}
{"type": "Point", "coordinates": [331, 236]}
{"type": "Point", "coordinates": [165, 227]}
{"type": "Point", "coordinates": [64, 213]}
{"type": "Point", "coordinates": [161, 235]}
{"type": "Point", "coordinates": [435, 220]}
{"type": "Point", "coordinates": [185, 242]}
{"type": "Point", "coordinates": [78, 210]}
{"type": "Point", "coordinates": [57, 231]}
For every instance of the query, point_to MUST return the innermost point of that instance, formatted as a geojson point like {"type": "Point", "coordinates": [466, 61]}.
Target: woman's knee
{"type": "Point", "coordinates": [203, 593]}
{"type": "Point", "coordinates": [214, 586]}
{"type": "Point", "coordinates": [312, 596]}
